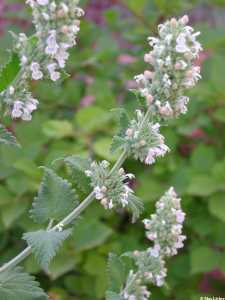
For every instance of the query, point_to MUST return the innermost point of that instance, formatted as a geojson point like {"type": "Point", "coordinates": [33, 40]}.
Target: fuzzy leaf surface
{"type": "Point", "coordinates": [112, 296]}
{"type": "Point", "coordinates": [116, 272]}
{"type": "Point", "coordinates": [18, 285]}
{"type": "Point", "coordinates": [55, 199]}
{"type": "Point", "coordinates": [135, 206]}
{"type": "Point", "coordinates": [7, 138]}
{"type": "Point", "coordinates": [78, 166]}
{"type": "Point", "coordinates": [45, 244]}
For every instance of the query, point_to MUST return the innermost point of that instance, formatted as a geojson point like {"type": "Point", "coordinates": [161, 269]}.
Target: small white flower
{"type": "Point", "coordinates": [180, 216]}
{"type": "Point", "coordinates": [98, 193]}
{"type": "Point", "coordinates": [61, 57]}
{"type": "Point", "coordinates": [36, 72]}
{"type": "Point", "coordinates": [88, 173]}
{"type": "Point", "coordinates": [42, 2]}
{"type": "Point", "coordinates": [11, 90]}
{"type": "Point", "coordinates": [52, 46]}
{"type": "Point", "coordinates": [181, 46]}
{"type": "Point", "coordinates": [17, 110]}
{"type": "Point", "coordinates": [54, 75]}
{"type": "Point", "coordinates": [155, 251]}
{"type": "Point", "coordinates": [32, 104]}
{"type": "Point", "coordinates": [26, 116]}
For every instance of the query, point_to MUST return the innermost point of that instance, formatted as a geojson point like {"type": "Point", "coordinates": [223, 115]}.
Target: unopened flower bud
{"type": "Point", "coordinates": [104, 202]}
{"type": "Point", "coordinates": [149, 99]}
{"type": "Point", "coordinates": [129, 132]}
{"type": "Point", "coordinates": [173, 22]}
{"type": "Point", "coordinates": [184, 20]}
{"type": "Point", "coordinates": [142, 142]}
{"type": "Point", "coordinates": [121, 171]}
{"type": "Point", "coordinates": [148, 74]}
{"type": "Point", "coordinates": [65, 29]}
{"type": "Point", "coordinates": [148, 58]}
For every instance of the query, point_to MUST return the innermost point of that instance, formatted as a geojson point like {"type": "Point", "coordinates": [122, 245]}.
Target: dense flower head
{"type": "Point", "coordinates": [164, 228]}
{"type": "Point", "coordinates": [172, 68]}
{"type": "Point", "coordinates": [151, 266]}
{"type": "Point", "coordinates": [134, 289]}
{"type": "Point", "coordinates": [111, 188]}
{"type": "Point", "coordinates": [44, 54]}
{"type": "Point", "coordinates": [145, 141]}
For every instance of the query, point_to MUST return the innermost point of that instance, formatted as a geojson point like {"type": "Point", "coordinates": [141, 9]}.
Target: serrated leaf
{"type": "Point", "coordinates": [45, 244]}
{"type": "Point", "coordinates": [112, 296]}
{"type": "Point", "coordinates": [78, 166]}
{"type": "Point", "coordinates": [18, 285]}
{"type": "Point", "coordinates": [123, 118]}
{"type": "Point", "coordinates": [117, 143]}
{"type": "Point", "coordinates": [136, 207]}
{"type": "Point", "coordinates": [9, 71]}
{"type": "Point", "coordinates": [55, 199]}
{"type": "Point", "coordinates": [7, 138]}
{"type": "Point", "coordinates": [116, 272]}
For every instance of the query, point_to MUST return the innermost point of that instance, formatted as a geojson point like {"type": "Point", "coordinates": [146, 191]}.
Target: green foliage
{"type": "Point", "coordinates": [116, 273]}
{"type": "Point", "coordinates": [195, 166]}
{"type": "Point", "coordinates": [58, 129]}
{"type": "Point", "coordinates": [15, 284]}
{"type": "Point", "coordinates": [78, 166]}
{"type": "Point", "coordinates": [90, 234]}
{"type": "Point", "coordinates": [112, 296]}
{"type": "Point", "coordinates": [55, 199]}
{"type": "Point", "coordinates": [45, 244]}
{"type": "Point", "coordinates": [136, 207]}
{"type": "Point", "coordinates": [9, 71]}
{"type": "Point", "coordinates": [6, 137]}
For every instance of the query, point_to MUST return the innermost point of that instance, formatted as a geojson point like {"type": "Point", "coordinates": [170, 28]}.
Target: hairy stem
{"type": "Point", "coordinates": [74, 214]}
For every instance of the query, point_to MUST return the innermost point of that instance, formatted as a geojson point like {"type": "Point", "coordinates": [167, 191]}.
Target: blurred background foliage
{"type": "Point", "coordinates": [76, 117]}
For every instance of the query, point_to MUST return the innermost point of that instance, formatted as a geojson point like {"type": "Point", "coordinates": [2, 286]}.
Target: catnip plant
{"type": "Point", "coordinates": [161, 94]}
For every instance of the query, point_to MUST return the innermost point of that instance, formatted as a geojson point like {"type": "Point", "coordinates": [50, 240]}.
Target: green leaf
{"type": "Point", "coordinates": [45, 244]}
{"type": "Point", "coordinates": [116, 272]}
{"type": "Point", "coordinates": [78, 166]}
{"type": "Point", "coordinates": [203, 259]}
{"type": "Point", "coordinates": [9, 71]}
{"type": "Point", "coordinates": [135, 205]}
{"type": "Point", "coordinates": [58, 129]}
{"type": "Point", "coordinates": [117, 143]}
{"type": "Point", "coordinates": [102, 147]}
{"type": "Point", "coordinates": [203, 158]}
{"type": "Point", "coordinates": [55, 199]}
{"type": "Point", "coordinates": [12, 211]}
{"type": "Point", "coordinates": [17, 285]}
{"type": "Point", "coordinates": [90, 234]}
{"type": "Point", "coordinates": [92, 118]}
{"type": "Point", "coordinates": [217, 206]}
{"type": "Point", "coordinates": [123, 118]}
{"type": "Point", "coordinates": [7, 138]}
{"type": "Point", "coordinates": [112, 296]}
{"type": "Point", "coordinates": [203, 185]}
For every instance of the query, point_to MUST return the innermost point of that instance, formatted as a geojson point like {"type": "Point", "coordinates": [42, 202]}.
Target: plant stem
{"type": "Point", "coordinates": [66, 221]}
{"type": "Point", "coordinates": [74, 214]}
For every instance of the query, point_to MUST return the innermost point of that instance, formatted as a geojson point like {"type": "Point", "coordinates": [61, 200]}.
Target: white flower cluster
{"type": "Point", "coordinates": [164, 228]}
{"type": "Point", "coordinates": [133, 289]}
{"type": "Point", "coordinates": [111, 189]}
{"type": "Point", "coordinates": [45, 53]}
{"type": "Point", "coordinates": [57, 24]}
{"type": "Point", "coordinates": [145, 141]}
{"type": "Point", "coordinates": [172, 68]}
